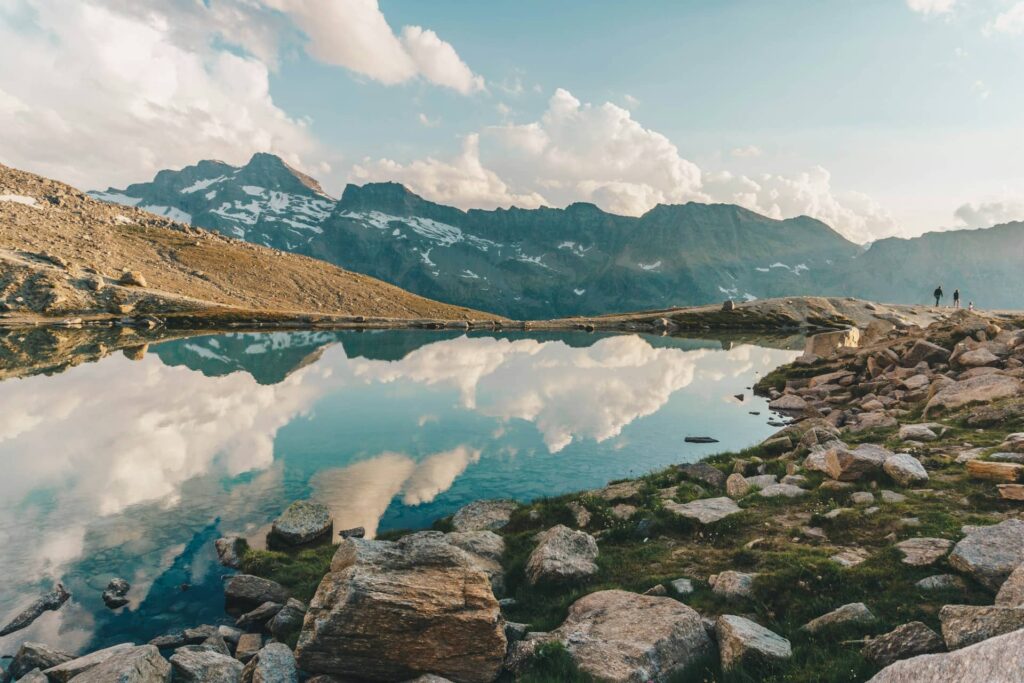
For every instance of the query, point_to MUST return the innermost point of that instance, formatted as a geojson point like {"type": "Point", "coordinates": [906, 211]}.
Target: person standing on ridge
{"type": "Point", "coordinates": [956, 298]}
{"type": "Point", "coordinates": [937, 294]}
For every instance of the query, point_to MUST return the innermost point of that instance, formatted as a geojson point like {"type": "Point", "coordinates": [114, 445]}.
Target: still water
{"type": "Point", "coordinates": [132, 468]}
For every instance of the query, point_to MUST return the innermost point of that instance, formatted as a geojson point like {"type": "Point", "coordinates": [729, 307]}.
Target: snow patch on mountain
{"type": "Point", "coordinates": [18, 199]}
{"type": "Point", "coordinates": [650, 266]}
{"type": "Point", "coordinates": [202, 184]}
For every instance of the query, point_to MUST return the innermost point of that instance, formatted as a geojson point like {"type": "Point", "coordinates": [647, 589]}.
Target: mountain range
{"type": "Point", "coordinates": [540, 263]}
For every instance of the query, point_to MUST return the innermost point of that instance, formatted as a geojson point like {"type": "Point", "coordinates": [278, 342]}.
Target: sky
{"type": "Point", "coordinates": [879, 117]}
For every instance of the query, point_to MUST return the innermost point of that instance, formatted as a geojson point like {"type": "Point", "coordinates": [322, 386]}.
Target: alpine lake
{"type": "Point", "coordinates": [132, 465]}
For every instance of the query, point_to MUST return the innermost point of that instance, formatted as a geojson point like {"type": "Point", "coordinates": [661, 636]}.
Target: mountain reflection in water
{"type": "Point", "coordinates": [132, 468]}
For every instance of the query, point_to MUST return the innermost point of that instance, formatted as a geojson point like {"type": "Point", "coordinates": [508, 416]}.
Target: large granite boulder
{"type": "Point", "coordinates": [996, 660]}
{"type": "Point", "coordinates": [484, 515]}
{"type": "Point", "coordinates": [624, 637]}
{"type": "Point", "coordinates": [741, 641]}
{"type": "Point", "coordinates": [301, 523]}
{"type": "Point", "coordinates": [229, 551]}
{"type": "Point", "coordinates": [924, 350]}
{"type": "Point", "coordinates": [906, 640]}
{"type": "Point", "coordinates": [853, 613]}
{"type": "Point", "coordinates": [991, 553]}
{"type": "Point", "coordinates": [732, 584]}
{"type": "Point", "coordinates": [980, 389]}
{"type": "Point", "coordinates": [65, 671]}
{"type": "Point", "coordinates": [705, 510]}
{"type": "Point", "coordinates": [486, 549]}
{"type": "Point", "coordinates": [205, 666]}
{"type": "Point", "coordinates": [562, 554]}
{"type": "Point", "coordinates": [137, 664]}
{"type": "Point", "coordinates": [703, 472]}
{"type": "Point", "coordinates": [1011, 593]}
{"type": "Point", "coordinates": [288, 619]}
{"type": "Point", "coordinates": [35, 656]}
{"type": "Point", "coordinates": [905, 469]}
{"type": "Point", "coordinates": [845, 464]}
{"type": "Point", "coordinates": [275, 663]}
{"type": "Point", "coordinates": [397, 610]}
{"type": "Point", "coordinates": [921, 552]}
{"type": "Point", "coordinates": [244, 592]}
{"type": "Point", "coordinates": [964, 625]}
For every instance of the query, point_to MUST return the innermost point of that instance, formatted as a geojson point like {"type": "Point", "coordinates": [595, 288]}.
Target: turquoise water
{"type": "Point", "coordinates": [132, 468]}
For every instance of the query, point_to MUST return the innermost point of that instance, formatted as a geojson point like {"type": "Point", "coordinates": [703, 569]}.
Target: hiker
{"type": "Point", "coordinates": [937, 294]}
{"type": "Point", "coordinates": [956, 298]}
{"type": "Point", "coordinates": [970, 305]}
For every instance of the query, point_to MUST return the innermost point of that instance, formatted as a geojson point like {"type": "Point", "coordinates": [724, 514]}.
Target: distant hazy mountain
{"type": "Point", "coordinates": [547, 262]}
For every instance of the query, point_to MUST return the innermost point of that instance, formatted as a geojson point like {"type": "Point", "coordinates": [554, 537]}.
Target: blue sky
{"type": "Point", "coordinates": [878, 116]}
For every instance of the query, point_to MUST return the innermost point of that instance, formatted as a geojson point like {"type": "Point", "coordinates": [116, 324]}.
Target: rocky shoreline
{"type": "Point", "coordinates": [880, 535]}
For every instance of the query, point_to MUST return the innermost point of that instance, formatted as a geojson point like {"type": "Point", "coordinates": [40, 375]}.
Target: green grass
{"type": "Point", "coordinates": [298, 571]}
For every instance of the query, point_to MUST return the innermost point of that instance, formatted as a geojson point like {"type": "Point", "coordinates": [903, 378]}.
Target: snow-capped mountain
{"type": "Point", "coordinates": [551, 262]}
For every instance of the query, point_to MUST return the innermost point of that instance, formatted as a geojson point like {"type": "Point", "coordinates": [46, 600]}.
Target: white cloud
{"type": "Point", "coordinates": [427, 121]}
{"type": "Point", "coordinates": [747, 152]}
{"type": "Point", "coordinates": [118, 109]}
{"type": "Point", "coordinates": [932, 6]}
{"type": "Point", "coordinates": [1011, 21]}
{"type": "Point", "coordinates": [355, 34]}
{"type": "Point", "coordinates": [630, 101]}
{"type": "Point", "coordinates": [987, 214]}
{"type": "Point", "coordinates": [462, 181]}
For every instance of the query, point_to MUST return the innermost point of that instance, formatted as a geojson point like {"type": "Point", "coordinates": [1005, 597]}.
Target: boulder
{"type": "Point", "coordinates": [115, 594]}
{"type": "Point", "coordinates": [732, 584]}
{"type": "Point", "coordinates": [205, 666]}
{"type": "Point", "coordinates": [1011, 593]}
{"type": "Point", "coordinates": [396, 610]}
{"type": "Point", "coordinates": [941, 582]}
{"type": "Point", "coordinates": [964, 625]}
{"type": "Point", "coordinates": [905, 469]}
{"type": "Point", "coordinates": [982, 389]}
{"type": "Point", "coordinates": [977, 358]}
{"type": "Point", "coordinates": [288, 620]}
{"type": "Point", "coordinates": [907, 640]}
{"type": "Point", "coordinates": [741, 641]}
{"type": "Point", "coordinates": [921, 552]}
{"type": "Point", "coordinates": [245, 592]}
{"type": "Point", "coordinates": [736, 485]}
{"type": "Point", "coordinates": [135, 664]}
{"type": "Point", "coordinates": [989, 554]}
{"type": "Point", "coordinates": [623, 637]}
{"type": "Point", "coordinates": [35, 656]}
{"type": "Point", "coordinates": [703, 472]}
{"type": "Point", "coordinates": [682, 586]}
{"type": "Point", "coordinates": [844, 464]}
{"type": "Point", "coordinates": [484, 515]}
{"type": "Point", "coordinates": [303, 522]}
{"type": "Point", "coordinates": [34, 676]}
{"type": "Point", "coordinates": [924, 350]}
{"type": "Point", "coordinates": [862, 498]}
{"type": "Point", "coordinates": [853, 613]}
{"type": "Point", "coordinates": [248, 645]}
{"type": "Point", "coordinates": [65, 671]}
{"type": "Point", "coordinates": [705, 510]}
{"type": "Point", "coordinates": [132, 278]}
{"type": "Point", "coordinates": [229, 551]}
{"type": "Point", "coordinates": [917, 433]}
{"type": "Point", "coordinates": [788, 403]}
{"type": "Point", "coordinates": [275, 663]}
{"type": "Point", "coordinates": [997, 660]}
{"type": "Point", "coordinates": [259, 616]}
{"type": "Point", "coordinates": [485, 549]}
{"type": "Point", "coordinates": [562, 555]}
{"type": "Point", "coordinates": [876, 419]}
{"type": "Point", "coordinates": [45, 603]}
{"type": "Point", "coordinates": [784, 490]}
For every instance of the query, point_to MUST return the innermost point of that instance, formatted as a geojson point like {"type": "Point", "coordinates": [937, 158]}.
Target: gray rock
{"type": "Point", "coordinates": [705, 510]}
{"type": "Point", "coordinates": [484, 515]}
{"type": "Point", "coordinates": [624, 490]}
{"type": "Point", "coordinates": [853, 613]}
{"type": "Point", "coordinates": [562, 555]}
{"type": "Point", "coordinates": [429, 678]}
{"type": "Point", "coordinates": [907, 640]}
{"type": "Point", "coordinates": [997, 660]}
{"type": "Point", "coordinates": [248, 645]}
{"type": "Point", "coordinates": [205, 666]}
{"type": "Point", "coordinates": [703, 472]}
{"type": "Point", "coordinates": [917, 433]}
{"type": "Point", "coordinates": [34, 676]}
{"type": "Point", "coordinates": [35, 656]}
{"type": "Point", "coordinates": [849, 465]}
{"type": "Point", "coordinates": [114, 595]}
{"type": "Point", "coordinates": [981, 389]}
{"type": "Point", "coordinates": [275, 663]}
{"type": "Point", "coordinates": [784, 490]}
{"type": "Point", "coordinates": [741, 641]}
{"type": "Point", "coordinates": [924, 350]}
{"type": "Point", "coordinates": [46, 603]}
{"type": "Point", "coordinates": [485, 549]}
{"type": "Point", "coordinates": [230, 634]}
{"type": "Point", "coordinates": [921, 552]}
{"type": "Point", "coordinates": [964, 625]}
{"type": "Point", "coordinates": [64, 672]}
{"type": "Point", "coordinates": [732, 584]}
{"type": "Point", "coordinates": [794, 479]}
{"type": "Point", "coordinates": [905, 469]}
{"type": "Point", "coordinates": [137, 664]}
{"type": "Point", "coordinates": [622, 637]}
{"type": "Point", "coordinates": [736, 485]}
{"type": "Point", "coordinates": [228, 551]}
{"type": "Point", "coordinates": [682, 586]}
{"type": "Point", "coordinates": [259, 616]}
{"type": "Point", "coordinates": [246, 592]}
{"type": "Point", "coordinates": [288, 620]}
{"type": "Point", "coordinates": [892, 497]}
{"type": "Point", "coordinates": [303, 522]}
{"type": "Point", "coordinates": [862, 498]}
{"type": "Point", "coordinates": [850, 557]}
{"type": "Point", "coordinates": [941, 582]}
{"type": "Point", "coordinates": [1011, 593]}
{"type": "Point", "coordinates": [989, 554]}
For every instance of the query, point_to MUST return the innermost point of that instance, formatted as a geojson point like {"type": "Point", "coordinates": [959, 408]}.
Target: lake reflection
{"type": "Point", "coordinates": [132, 468]}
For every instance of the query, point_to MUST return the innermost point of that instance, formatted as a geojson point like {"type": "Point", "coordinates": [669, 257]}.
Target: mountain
{"type": "Point", "coordinates": [541, 263]}
{"type": "Point", "coordinates": [64, 253]}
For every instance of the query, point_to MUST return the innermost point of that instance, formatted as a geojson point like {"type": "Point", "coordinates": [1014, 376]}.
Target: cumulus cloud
{"type": "Point", "coordinates": [987, 214]}
{"type": "Point", "coordinates": [462, 181]}
{"type": "Point", "coordinates": [120, 108]}
{"type": "Point", "coordinates": [355, 34]}
{"type": "Point", "coordinates": [1011, 21]}
{"type": "Point", "coordinates": [932, 6]}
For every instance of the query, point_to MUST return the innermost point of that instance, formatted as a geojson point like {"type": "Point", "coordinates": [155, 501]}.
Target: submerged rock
{"type": "Point", "coordinates": [562, 555]}
{"type": "Point", "coordinates": [115, 594]}
{"type": "Point", "coordinates": [623, 637]}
